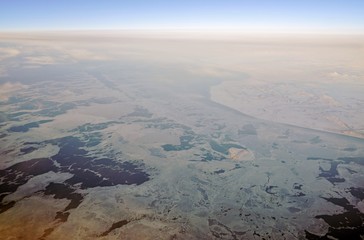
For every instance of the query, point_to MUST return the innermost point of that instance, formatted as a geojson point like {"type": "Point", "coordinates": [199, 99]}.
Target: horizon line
{"type": "Point", "coordinates": [228, 31]}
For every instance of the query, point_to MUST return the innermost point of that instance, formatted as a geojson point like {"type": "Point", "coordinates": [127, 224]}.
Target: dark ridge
{"type": "Point", "coordinates": [114, 226]}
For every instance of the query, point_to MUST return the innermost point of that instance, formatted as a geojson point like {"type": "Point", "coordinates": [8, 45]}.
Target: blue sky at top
{"type": "Point", "coordinates": [332, 15]}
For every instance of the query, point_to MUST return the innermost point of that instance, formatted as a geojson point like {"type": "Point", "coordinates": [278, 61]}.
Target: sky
{"type": "Point", "coordinates": [254, 15]}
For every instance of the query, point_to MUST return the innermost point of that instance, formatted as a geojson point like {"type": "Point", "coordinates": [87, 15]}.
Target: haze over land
{"type": "Point", "coordinates": [181, 135]}
{"type": "Point", "coordinates": [193, 119]}
{"type": "Point", "coordinates": [307, 80]}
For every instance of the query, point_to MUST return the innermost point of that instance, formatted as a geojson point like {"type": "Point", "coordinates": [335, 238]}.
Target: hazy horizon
{"type": "Point", "coordinates": [199, 120]}
{"type": "Point", "coordinates": [233, 15]}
